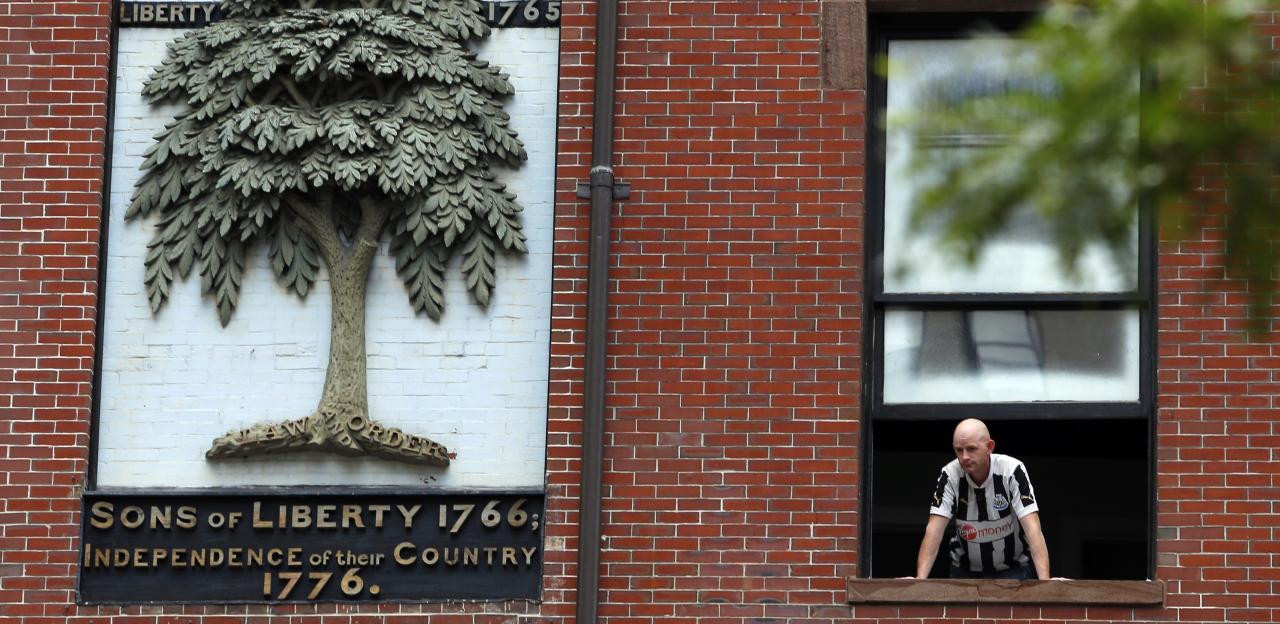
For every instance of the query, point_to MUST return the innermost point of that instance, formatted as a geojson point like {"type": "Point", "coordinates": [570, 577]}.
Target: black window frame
{"type": "Point", "coordinates": [881, 29]}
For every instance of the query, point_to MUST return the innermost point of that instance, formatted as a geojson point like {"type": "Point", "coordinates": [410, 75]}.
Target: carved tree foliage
{"type": "Point", "coordinates": [316, 126]}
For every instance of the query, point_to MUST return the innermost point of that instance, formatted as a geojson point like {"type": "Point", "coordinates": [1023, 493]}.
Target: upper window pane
{"type": "Point", "coordinates": [991, 356]}
{"type": "Point", "coordinates": [1020, 259]}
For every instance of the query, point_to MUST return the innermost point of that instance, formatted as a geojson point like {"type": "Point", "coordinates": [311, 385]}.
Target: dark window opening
{"type": "Point", "coordinates": [1090, 478]}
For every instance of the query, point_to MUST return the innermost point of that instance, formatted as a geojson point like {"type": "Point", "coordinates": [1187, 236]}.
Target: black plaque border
{"type": "Point", "coordinates": [516, 19]}
{"type": "Point", "coordinates": [303, 491]}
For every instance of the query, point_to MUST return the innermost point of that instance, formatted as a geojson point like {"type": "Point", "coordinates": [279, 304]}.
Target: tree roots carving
{"type": "Point", "coordinates": [337, 428]}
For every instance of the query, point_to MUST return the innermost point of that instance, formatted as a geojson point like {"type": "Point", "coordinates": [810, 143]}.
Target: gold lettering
{"type": "Point", "coordinates": [176, 559]}
{"type": "Point", "coordinates": [126, 17]}
{"type": "Point", "coordinates": [138, 518]}
{"type": "Point", "coordinates": [198, 558]}
{"type": "Point", "coordinates": [146, 13]}
{"type": "Point", "coordinates": [208, 11]}
{"type": "Point", "coordinates": [351, 516]}
{"type": "Point", "coordinates": [447, 558]}
{"type": "Point", "coordinates": [162, 517]}
{"type": "Point", "coordinates": [430, 556]}
{"type": "Point", "coordinates": [528, 551]}
{"type": "Point", "coordinates": [233, 557]}
{"type": "Point", "coordinates": [398, 555]}
{"type": "Point", "coordinates": [470, 556]}
{"type": "Point", "coordinates": [409, 513]}
{"type": "Point", "coordinates": [121, 558]}
{"type": "Point", "coordinates": [295, 557]}
{"type": "Point", "coordinates": [253, 558]}
{"type": "Point", "coordinates": [488, 552]}
{"type": "Point", "coordinates": [378, 510]}
{"type": "Point", "coordinates": [102, 515]}
{"type": "Point", "coordinates": [139, 557]}
{"type": "Point", "coordinates": [258, 522]}
{"type": "Point", "coordinates": [216, 557]}
{"type": "Point", "coordinates": [509, 556]}
{"type": "Point", "coordinates": [322, 517]}
{"type": "Point", "coordinates": [186, 517]}
{"type": "Point", "coordinates": [158, 555]}
{"type": "Point", "coordinates": [301, 517]}
{"type": "Point", "coordinates": [162, 12]}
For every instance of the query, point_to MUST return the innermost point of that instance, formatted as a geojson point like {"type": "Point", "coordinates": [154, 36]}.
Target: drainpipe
{"type": "Point", "coordinates": [602, 190]}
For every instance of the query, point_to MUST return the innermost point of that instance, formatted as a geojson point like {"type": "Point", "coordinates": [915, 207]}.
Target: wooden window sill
{"type": "Point", "coordinates": [979, 591]}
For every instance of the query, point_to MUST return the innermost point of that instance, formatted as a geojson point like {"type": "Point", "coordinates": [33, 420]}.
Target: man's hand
{"type": "Point", "coordinates": [929, 545]}
{"type": "Point", "coordinates": [1035, 539]}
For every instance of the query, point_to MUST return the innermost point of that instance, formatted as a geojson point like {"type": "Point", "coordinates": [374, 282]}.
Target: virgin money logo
{"type": "Point", "coordinates": [986, 532]}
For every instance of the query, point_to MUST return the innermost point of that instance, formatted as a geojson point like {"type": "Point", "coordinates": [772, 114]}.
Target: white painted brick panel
{"type": "Point", "coordinates": [475, 382]}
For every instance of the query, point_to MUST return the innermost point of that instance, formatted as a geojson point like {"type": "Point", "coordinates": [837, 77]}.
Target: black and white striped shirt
{"type": "Point", "coordinates": [988, 536]}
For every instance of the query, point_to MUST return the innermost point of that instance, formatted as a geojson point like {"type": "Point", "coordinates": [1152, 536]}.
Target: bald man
{"type": "Point", "coordinates": [994, 507]}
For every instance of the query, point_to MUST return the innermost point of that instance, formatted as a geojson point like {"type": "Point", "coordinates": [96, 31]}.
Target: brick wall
{"type": "Point", "coordinates": [1219, 426]}
{"type": "Point", "coordinates": [733, 438]}
{"type": "Point", "coordinates": [53, 62]}
{"type": "Point", "coordinates": [732, 450]}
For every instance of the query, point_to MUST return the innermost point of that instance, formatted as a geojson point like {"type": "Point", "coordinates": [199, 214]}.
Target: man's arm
{"type": "Point", "coordinates": [1035, 539]}
{"type": "Point", "coordinates": [932, 539]}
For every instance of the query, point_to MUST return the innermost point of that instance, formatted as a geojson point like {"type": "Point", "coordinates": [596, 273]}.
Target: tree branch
{"type": "Point", "coordinates": [393, 91]}
{"type": "Point", "coordinates": [317, 221]}
{"type": "Point", "coordinates": [373, 217]}
{"type": "Point", "coordinates": [321, 86]}
{"type": "Point", "coordinates": [363, 83]}
{"type": "Point", "coordinates": [271, 93]}
{"type": "Point", "coordinates": [295, 92]}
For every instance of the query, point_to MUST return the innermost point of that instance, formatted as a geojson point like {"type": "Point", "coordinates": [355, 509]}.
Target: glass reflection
{"type": "Point", "coordinates": [969, 356]}
{"type": "Point", "coordinates": [1022, 258]}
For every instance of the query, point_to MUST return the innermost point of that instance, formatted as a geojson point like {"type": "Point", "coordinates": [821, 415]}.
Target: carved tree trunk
{"type": "Point", "coordinates": [344, 404]}
{"type": "Point", "coordinates": [341, 422]}
{"type": "Point", "coordinates": [346, 378]}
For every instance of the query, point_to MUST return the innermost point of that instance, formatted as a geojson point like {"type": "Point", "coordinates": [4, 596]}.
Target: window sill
{"type": "Point", "coordinates": [977, 591]}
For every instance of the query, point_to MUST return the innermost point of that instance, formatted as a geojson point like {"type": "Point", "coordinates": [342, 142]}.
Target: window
{"type": "Point", "coordinates": [1060, 366]}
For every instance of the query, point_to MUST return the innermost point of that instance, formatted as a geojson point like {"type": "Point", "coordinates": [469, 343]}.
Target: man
{"type": "Point", "coordinates": [994, 507]}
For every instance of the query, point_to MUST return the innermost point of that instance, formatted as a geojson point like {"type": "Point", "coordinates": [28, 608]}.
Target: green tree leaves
{"type": "Point", "coordinates": [422, 267]}
{"type": "Point", "coordinates": [473, 212]}
{"type": "Point", "coordinates": [294, 257]}
{"type": "Point", "coordinates": [1081, 153]}
{"type": "Point", "coordinates": [329, 104]}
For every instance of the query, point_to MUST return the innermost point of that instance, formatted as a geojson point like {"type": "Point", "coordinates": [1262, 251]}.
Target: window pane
{"type": "Point", "coordinates": [993, 356]}
{"type": "Point", "coordinates": [1021, 258]}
